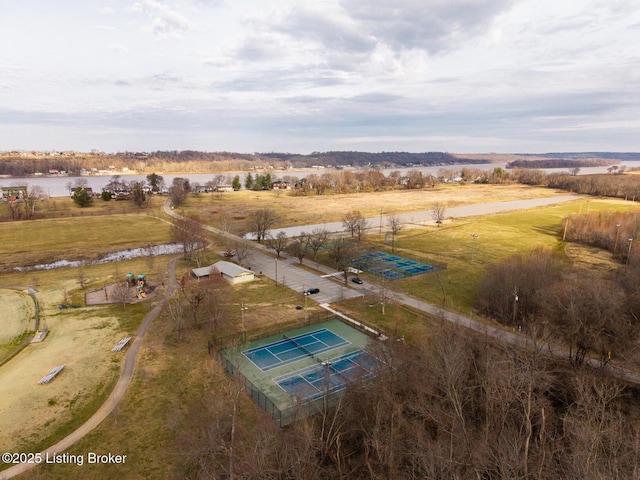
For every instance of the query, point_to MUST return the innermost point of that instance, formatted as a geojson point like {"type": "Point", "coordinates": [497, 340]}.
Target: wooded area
{"type": "Point", "coordinates": [457, 406]}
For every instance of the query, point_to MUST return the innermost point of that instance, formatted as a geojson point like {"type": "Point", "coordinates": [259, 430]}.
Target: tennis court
{"type": "Point", "coordinates": [294, 348]}
{"type": "Point", "coordinates": [390, 266]}
{"type": "Point", "coordinates": [329, 376]}
{"type": "Point", "coordinates": [295, 374]}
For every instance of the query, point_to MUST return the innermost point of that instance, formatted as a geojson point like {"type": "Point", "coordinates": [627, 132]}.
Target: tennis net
{"type": "Point", "coordinates": [301, 347]}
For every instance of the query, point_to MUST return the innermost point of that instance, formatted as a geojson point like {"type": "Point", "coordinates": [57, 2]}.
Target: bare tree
{"type": "Point", "coordinates": [216, 291]}
{"type": "Point", "coordinates": [192, 293]}
{"type": "Point", "coordinates": [82, 277]}
{"type": "Point", "coordinates": [241, 251]}
{"type": "Point", "coordinates": [121, 293]}
{"type": "Point", "coordinates": [224, 224]}
{"type": "Point", "coordinates": [355, 223]}
{"type": "Point", "coordinates": [316, 240]}
{"type": "Point", "coordinates": [30, 201]}
{"type": "Point", "coordinates": [279, 243]}
{"type": "Point", "coordinates": [261, 221]}
{"type": "Point", "coordinates": [174, 310]}
{"type": "Point", "coordinates": [438, 213]}
{"type": "Point", "coordinates": [178, 191]}
{"type": "Point", "coordinates": [140, 197]}
{"type": "Point", "coordinates": [298, 247]}
{"type": "Point", "coordinates": [395, 226]}
{"type": "Point", "coordinates": [343, 254]}
{"type": "Point", "coordinates": [14, 206]}
{"type": "Point", "coordinates": [191, 234]}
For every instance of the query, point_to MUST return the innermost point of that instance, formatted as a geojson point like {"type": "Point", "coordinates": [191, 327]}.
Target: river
{"type": "Point", "coordinates": [58, 186]}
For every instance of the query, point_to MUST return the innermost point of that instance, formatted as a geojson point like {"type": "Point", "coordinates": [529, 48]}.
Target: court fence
{"type": "Point", "coordinates": [241, 338]}
{"type": "Point", "coordinates": [281, 416]}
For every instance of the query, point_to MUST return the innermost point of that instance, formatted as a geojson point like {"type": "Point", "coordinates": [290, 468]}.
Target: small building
{"type": "Point", "coordinates": [224, 188]}
{"type": "Point", "coordinates": [281, 185]}
{"type": "Point", "coordinates": [231, 272]}
{"type": "Point", "coordinates": [14, 193]}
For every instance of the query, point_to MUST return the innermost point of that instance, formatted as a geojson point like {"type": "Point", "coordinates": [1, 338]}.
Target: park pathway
{"type": "Point", "coordinates": [118, 392]}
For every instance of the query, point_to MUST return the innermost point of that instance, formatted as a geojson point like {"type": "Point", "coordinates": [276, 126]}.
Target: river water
{"type": "Point", "coordinates": [57, 186]}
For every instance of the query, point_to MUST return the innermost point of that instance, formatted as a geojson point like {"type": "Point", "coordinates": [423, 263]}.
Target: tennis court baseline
{"type": "Point", "coordinates": [295, 348]}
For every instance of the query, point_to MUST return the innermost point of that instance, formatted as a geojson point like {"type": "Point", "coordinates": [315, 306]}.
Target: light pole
{"type": "Point", "coordinates": [276, 261]}
{"type": "Point", "coordinates": [242, 309]}
{"type": "Point", "coordinates": [615, 244]}
{"type": "Point", "coordinates": [629, 253]}
{"type": "Point", "coordinates": [381, 221]}
{"type": "Point", "coordinates": [473, 245]}
{"type": "Point", "coordinates": [515, 303]}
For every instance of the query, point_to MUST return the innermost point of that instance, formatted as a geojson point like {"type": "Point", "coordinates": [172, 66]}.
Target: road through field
{"type": "Point", "coordinates": [425, 217]}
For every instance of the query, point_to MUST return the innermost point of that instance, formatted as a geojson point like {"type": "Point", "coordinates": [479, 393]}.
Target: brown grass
{"type": "Point", "coordinates": [295, 210]}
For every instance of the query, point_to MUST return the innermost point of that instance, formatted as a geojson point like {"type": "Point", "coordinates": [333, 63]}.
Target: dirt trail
{"type": "Point", "coordinates": [116, 395]}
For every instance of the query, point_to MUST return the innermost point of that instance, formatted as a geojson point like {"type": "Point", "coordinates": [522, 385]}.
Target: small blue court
{"type": "Point", "coordinates": [390, 266]}
{"type": "Point", "coordinates": [328, 376]}
{"type": "Point", "coordinates": [295, 348]}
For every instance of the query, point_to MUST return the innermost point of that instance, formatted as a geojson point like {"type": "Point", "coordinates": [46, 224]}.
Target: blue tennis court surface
{"type": "Point", "coordinates": [391, 266]}
{"type": "Point", "coordinates": [329, 376]}
{"type": "Point", "coordinates": [294, 348]}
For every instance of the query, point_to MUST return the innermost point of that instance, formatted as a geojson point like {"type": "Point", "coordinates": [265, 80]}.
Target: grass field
{"type": "Point", "coordinates": [18, 312]}
{"type": "Point", "coordinates": [86, 238]}
{"type": "Point", "coordinates": [498, 237]}
{"type": "Point", "coordinates": [295, 210]}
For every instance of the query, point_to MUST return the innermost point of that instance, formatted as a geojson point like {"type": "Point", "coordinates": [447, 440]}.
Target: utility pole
{"type": "Point", "coordinates": [473, 245]}
{"type": "Point", "coordinates": [615, 244]}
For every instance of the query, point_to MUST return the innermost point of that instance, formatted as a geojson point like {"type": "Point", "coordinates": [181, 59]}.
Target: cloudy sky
{"type": "Point", "coordinates": [317, 75]}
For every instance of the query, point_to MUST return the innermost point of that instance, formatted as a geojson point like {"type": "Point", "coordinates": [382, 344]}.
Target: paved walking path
{"type": "Point", "coordinates": [116, 395]}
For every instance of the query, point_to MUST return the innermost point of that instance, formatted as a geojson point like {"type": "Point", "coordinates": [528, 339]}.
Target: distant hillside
{"type": "Point", "coordinates": [18, 164]}
{"type": "Point", "coordinates": [561, 163]}
{"type": "Point", "coordinates": [622, 156]}
{"type": "Point", "coordinates": [363, 159]}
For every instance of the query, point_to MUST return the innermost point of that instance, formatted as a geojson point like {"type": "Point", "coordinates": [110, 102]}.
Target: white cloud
{"type": "Point", "coordinates": [291, 74]}
{"type": "Point", "coordinates": [164, 20]}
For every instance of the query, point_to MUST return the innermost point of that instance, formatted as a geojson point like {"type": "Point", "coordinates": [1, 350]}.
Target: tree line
{"type": "Point", "coordinates": [456, 406]}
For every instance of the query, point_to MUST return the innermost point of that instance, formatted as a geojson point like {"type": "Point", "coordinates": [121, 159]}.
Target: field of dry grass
{"type": "Point", "coordinates": [296, 210]}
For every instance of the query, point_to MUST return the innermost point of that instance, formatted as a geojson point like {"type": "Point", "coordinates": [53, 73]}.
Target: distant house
{"type": "Point", "coordinates": [202, 189]}
{"type": "Point", "coordinates": [14, 193]}
{"type": "Point", "coordinates": [281, 185]}
{"type": "Point", "coordinates": [231, 272]}
{"type": "Point", "coordinates": [224, 188]}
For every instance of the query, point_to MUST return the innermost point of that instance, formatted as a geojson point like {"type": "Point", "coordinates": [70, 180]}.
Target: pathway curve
{"type": "Point", "coordinates": [118, 392]}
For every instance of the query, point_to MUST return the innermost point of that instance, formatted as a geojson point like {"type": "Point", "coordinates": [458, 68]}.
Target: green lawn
{"type": "Point", "coordinates": [498, 237]}
{"type": "Point", "coordinates": [41, 241]}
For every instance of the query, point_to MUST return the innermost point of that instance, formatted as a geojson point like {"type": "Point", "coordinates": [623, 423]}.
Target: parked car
{"type": "Point", "coordinates": [357, 280]}
{"type": "Point", "coordinates": [311, 291]}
